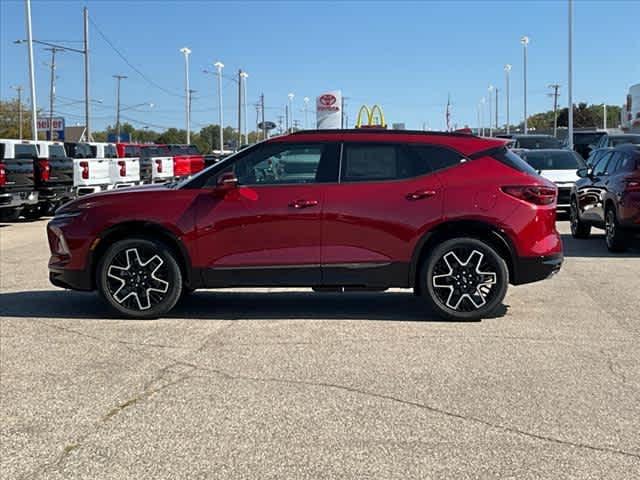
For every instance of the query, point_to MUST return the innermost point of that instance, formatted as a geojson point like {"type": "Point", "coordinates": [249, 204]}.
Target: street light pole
{"type": "Point", "coordinates": [244, 76]}
{"type": "Point", "coordinates": [32, 78]}
{"type": "Point", "coordinates": [490, 115]}
{"type": "Point", "coordinates": [507, 70]}
{"type": "Point", "coordinates": [18, 88]}
{"type": "Point", "coordinates": [118, 79]}
{"type": "Point", "coordinates": [482, 102]}
{"type": "Point", "coordinates": [306, 110]}
{"type": "Point", "coordinates": [85, 52]}
{"type": "Point", "coordinates": [219, 66]}
{"type": "Point", "coordinates": [186, 51]}
{"type": "Point", "coordinates": [291, 95]}
{"type": "Point", "coordinates": [525, 41]}
{"type": "Point", "coordinates": [570, 89]}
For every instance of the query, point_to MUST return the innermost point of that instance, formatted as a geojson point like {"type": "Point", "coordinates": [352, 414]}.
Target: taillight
{"type": "Point", "coordinates": [159, 166]}
{"type": "Point", "coordinates": [532, 194]}
{"type": "Point", "coordinates": [123, 168]}
{"type": "Point", "coordinates": [85, 170]}
{"type": "Point", "coordinates": [3, 175]}
{"type": "Point", "coordinates": [632, 185]}
{"type": "Point", "coordinates": [44, 170]}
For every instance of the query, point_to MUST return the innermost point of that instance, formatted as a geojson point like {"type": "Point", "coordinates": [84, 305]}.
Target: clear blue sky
{"type": "Point", "coordinates": [405, 56]}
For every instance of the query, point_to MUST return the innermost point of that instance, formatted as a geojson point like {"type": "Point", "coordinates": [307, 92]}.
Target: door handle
{"type": "Point", "coordinates": [420, 194]}
{"type": "Point", "coordinates": [303, 203]}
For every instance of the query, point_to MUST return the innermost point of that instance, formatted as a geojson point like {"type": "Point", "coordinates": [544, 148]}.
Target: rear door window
{"type": "Point", "coordinates": [375, 162]}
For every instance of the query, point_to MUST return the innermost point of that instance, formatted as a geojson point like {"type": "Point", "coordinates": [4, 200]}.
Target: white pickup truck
{"type": "Point", "coordinates": [160, 161]}
{"type": "Point", "coordinates": [97, 167]}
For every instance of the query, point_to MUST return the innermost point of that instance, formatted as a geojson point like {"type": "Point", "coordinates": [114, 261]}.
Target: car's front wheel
{"type": "Point", "coordinates": [139, 278]}
{"type": "Point", "coordinates": [614, 235]}
{"type": "Point", "coordinates": [579, 229]}
{"type": "Point", "coordinates": [464, 279]}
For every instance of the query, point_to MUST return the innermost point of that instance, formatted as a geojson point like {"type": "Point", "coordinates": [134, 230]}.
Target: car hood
{"type": "Point", "coordinates": [91, 200]}
{"type": "Point", "coordinates": [560, 176]}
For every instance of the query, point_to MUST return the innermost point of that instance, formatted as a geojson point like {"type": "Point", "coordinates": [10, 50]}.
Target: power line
{"type": "Point", "coordinates": [133, 67]}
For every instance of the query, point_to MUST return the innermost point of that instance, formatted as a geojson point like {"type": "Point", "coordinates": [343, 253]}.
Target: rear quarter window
{"type": "Point", "coordinates": [507, 157]}
{"type": "Point", "coordinates": [430, 158]}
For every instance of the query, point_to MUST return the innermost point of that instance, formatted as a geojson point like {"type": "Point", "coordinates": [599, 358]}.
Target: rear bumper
{"type": "Point", "coordinates": [533, 269]}
{"type": "Point", "coordinates": [18, 199]}
{"type": "Point", "coordinates": [56, 193]}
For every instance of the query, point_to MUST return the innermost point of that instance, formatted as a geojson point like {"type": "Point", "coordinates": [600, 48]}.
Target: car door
{"type": "Point", "coordinates": [267, 230]}
{"type": "Point", "coordinates": [373, 217]}
{"type": "Point", "coordinates": [590, 191]}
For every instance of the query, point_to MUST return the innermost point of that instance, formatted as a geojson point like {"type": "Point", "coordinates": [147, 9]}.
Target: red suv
{"type": "Point", "coordinates": [453, 216]}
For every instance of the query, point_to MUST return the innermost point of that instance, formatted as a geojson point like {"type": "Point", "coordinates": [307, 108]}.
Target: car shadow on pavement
{"type": "Point", "coordinates": [237, 305]}
{"type": "Point", "coordinates": [595, 246]}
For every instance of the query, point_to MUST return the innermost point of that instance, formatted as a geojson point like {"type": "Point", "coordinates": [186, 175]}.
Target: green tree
{"type": "Point", "coordinates": [9, 120]}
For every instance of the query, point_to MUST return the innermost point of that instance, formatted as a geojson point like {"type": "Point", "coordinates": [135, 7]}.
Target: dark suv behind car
{"type": "Point", "coordinates": [452, 216]}
{"type": "Point", "coordinates": [608, 196]}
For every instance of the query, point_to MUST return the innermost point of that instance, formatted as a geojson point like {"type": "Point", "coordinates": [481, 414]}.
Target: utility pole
{"type": "Point", "coordinates": [286, 118]}
{"type": "Point", "coordinates": [191, 92]}
{"type": "Point", "coordinates": [490, 113]}
{"type": "Point", "coordinates": [290, 110]}
{"type": "Point", "coordinates": [118, 79]}
{"type": "Point", "coordinates": [239, 110]}
{"type": "Point", "coordinates": [306, 111]}
{"type": "Point", "coordinates": [604, 116]}
{"type": "Point", "coordinates": [52, 87]}
{"type": "Point", "coordinates": [19, 88]}
{"type": "Point", "coordinates": [85, 51]}
{"type": "Point", "coordinates": [264, 127]}
{"type": "Point", "coordinates": [555, 96]}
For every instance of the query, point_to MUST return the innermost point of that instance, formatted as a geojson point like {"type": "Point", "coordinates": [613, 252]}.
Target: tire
{"type": "Point", "coordinates": [149, 292]}
{"type": "Point", "coordinates": [464, 279]}
{"type": "Point", "coordinates": [9, 214]}
{"type": "Point", "coordinates": [579, 229]}
{"type": "Point", "coordinates": [614, 235]}
{"type": "Point", "coordinates": [32, 213]}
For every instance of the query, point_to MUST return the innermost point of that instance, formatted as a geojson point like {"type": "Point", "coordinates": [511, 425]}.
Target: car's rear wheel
{"type": "Point", "coordinates": [464, 279]}
{"type": "Point", "coordinates": [579, 229]}
{"type": "Point", "coordinates": [139, 278]}
{"type": "Point", "coordinates": [614, 235]}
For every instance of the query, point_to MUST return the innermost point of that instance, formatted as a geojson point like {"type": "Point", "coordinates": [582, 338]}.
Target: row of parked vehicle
{"type": "Point", "coordinates": [598, 182]}
{"type": "Point", "coordinates": [38, 176]}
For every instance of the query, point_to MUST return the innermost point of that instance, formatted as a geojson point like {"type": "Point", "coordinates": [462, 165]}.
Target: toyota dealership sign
{"type": "Point", "coordinates": [329, 110]}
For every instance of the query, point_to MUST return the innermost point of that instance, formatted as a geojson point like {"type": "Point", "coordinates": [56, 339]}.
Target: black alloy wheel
{"type": "Point", "coordinates": [139, 278]}
{"type": "Point", "coordinates": [464, 279]}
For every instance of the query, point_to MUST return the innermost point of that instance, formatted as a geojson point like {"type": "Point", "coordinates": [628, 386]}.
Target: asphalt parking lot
{"type": "Point", "coordinates": [294, 384]}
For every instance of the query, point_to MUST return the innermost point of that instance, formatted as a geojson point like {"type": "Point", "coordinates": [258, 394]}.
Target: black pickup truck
{"type": "Point", "coordinates": [18, 195]}
{"type": "Point", "coordinates": [53, 176]}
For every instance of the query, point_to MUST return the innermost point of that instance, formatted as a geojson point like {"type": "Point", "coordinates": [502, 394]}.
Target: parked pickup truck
{"type": "Point", "coordinates": [53, 173]}
{"type": "Point", "coordinates": [91, 164]}
{"type": "Point", "coordinates": [187, 160]}
{"type": "Point", "coordinates": [159, 160]}
{"type": "Point", "coordinates": [18, 194]}
{"type": "Point", "coordinates": [132, 151]}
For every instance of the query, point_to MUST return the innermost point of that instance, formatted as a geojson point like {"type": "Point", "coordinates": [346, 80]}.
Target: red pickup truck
{"type": "Point", "coordinates": [187, 160]}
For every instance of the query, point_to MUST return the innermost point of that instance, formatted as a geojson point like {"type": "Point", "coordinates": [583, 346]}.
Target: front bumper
{"type": "Point", "coordinates": [70, 279]}
{"type": "Point", "coordinates": [534, 269]}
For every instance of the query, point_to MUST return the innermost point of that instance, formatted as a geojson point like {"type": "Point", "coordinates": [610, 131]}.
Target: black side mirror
{"type": "Point", "coordinates": [227, 181]}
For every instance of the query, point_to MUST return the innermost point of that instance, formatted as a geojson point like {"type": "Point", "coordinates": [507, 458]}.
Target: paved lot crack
{"type": "Point", "coordinates": [430, 408]}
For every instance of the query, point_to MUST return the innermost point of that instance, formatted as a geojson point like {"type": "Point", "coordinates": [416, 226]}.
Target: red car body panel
{"type": "Point", "coordinates": [323, 229]}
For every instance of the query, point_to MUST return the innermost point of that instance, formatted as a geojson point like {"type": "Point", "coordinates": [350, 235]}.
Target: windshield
{"type": "Point", "coordinates": [57, 151]}
{"type": "Point", "coordinates": [621, 140]}
{"type": "Point", "coordinates": [110, 151]}
{"type": "Point", "coordinates": [536, 143]}
{"type": "Point", "coordinates": [587, 138]}
{"type": "Point", "coordinates": [553, 160]}
{"type": "Point", "coordinates": [26, 151]}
